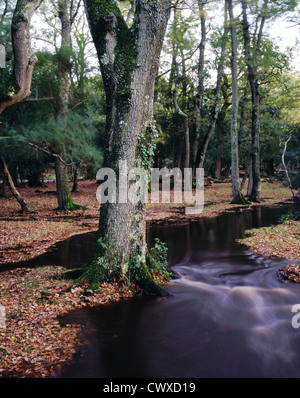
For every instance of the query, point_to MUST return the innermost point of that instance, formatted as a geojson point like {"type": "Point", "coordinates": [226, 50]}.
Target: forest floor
{"type": "Point", "coordinates": [32, 342]}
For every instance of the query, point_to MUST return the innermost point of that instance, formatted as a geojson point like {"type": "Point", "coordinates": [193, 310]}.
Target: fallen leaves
{"type": "Point", "coordinates": [34, 344]}
{"type": "Point", "coordinates": [291, 273]}
{"type": "Point", "coordinates": [281, 241]}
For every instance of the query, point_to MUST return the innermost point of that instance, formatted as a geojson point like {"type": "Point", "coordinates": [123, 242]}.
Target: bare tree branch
{"type": "Point", "coordinates": [41, 38]}
{"type": "Point", "coordinates": [46, 150]}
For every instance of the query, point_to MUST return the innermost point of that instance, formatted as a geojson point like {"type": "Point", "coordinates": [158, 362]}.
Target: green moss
{"type": "Point", "coordinates": [142, 277]}
{"type": "Point", "coordinates": [106, 266]}
{"type": "Point", "coordinates": [125, 49]}
{"type": "Point", "coordinates": [7, 90]}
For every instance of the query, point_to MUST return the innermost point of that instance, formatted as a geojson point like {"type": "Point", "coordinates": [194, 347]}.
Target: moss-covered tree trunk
{"type": "Point", "coordinates": [64, 198]}
{"type": "Point", "coordinates": [235, 174]}
{"type": "Point", "coordinates": [129, 58]}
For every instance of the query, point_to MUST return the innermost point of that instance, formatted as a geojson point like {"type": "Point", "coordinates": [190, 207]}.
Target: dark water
{"type": "Point", "coordinates": [229, 315]}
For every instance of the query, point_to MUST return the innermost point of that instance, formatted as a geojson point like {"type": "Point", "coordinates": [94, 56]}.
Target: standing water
{"type": "Point", "coordinates": [228, 316]}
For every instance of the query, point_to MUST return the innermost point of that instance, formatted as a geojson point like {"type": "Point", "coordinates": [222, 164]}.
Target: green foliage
{"type": "Point", "coordinates": [64, 56]}
{"type": "Point", "coordinates": [147, 144]}
{"type": "Point", "coordinates": [292, 214]}
{"type": "Point", "coordinates": [157, 260]}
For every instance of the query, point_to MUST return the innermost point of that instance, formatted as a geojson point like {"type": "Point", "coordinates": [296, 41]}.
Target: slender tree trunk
{"type": "Point", "coordinates": [235, 177]}
{"type": "Point", "coordinates": [218, 92]}
{"type": "Point", "coordinates": [64, 198]}
{"type": "Point", "coordinates": [247, 170]}
{"type": "Point", "coordinates": [185, 119]}
{"type": "Point", "coordinates": [129, 60]}
{"type": "Point", "coordinates": [252, 67]}
{"type": "Point", "coordinates": [219, 167]}
{"type": "Point", "coordinates": [13, 189]}
{"type": "Point", "coordinates": [175, 79]}
{"type": "Point", "coordinates": [285, 167]}
{"type": "Point", "coordinates": [75, 180]}
{"type": "Point", "coordinates": [198, 102]}
{"type": "Point", "coordinates": [250, 180]}
{"type": "Point", "coordinates": [2, 186]}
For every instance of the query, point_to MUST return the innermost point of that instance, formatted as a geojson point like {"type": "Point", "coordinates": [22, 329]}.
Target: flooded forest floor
{"type": "Point", "coordinates": [32, 343]}
{"type": "Point", "coordinates": [24, 236]}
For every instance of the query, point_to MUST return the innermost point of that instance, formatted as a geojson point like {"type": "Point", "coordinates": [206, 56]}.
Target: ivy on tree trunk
{"type": "Point", "coordinates": [129, 60]}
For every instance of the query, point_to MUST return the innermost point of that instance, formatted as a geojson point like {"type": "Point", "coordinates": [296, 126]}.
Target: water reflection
{"type": "Point", "coordinates": [229, 316]}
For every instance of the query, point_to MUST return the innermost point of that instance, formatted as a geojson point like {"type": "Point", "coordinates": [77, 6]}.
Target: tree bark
{"type": "Point", "coordinates": [19, 85]}
{"type": "Point", "coordinates": [64, 197]}
{"type": "Point", "coordinates": [13, 189]}
{"type": "Point", "coordinates": [185, 117]}
{"type": "Point", "coordinates": [219, 167]}
{"type": "Point", "coordinates": [235, 177]}
{"type": "Point", "coordinates": [24, 59]}
{"type": "Point", "coordinates": [251, 62]}
{"type": "Point", "coordinates": [285, 167]}
{"type": "Point", "coordinates": [75, 179]}
{"type": "Point", "coordinates": [198, 102]}
{"type": "Point", "coordinates": [250, 180]}
{"type": "Point", "coordinates": [129, 59]}
{"type": "Point", "coordinates": [218, 93]}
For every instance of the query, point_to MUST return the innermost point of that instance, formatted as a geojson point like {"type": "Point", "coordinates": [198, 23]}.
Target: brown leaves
{"type": "Point", "coordinates": [33, 343]}
{"type": "Point", "coordinates": [291, 272]}
{"type": "Point", "coordinates": [281, 241]}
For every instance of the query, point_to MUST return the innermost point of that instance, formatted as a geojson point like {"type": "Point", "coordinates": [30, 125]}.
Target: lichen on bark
{"type": "Point", "coordinates": [128, 58]}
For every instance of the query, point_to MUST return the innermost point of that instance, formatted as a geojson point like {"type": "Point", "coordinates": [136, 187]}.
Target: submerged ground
{"type": "Point", "coordinates": [33, 343]}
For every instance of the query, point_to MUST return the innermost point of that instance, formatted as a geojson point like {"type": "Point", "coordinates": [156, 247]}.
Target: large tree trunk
{"type": "Point", "coordinates": [129, 59]}
{"type": "Point", "coordinates": [235, 175]}
{"type": "Point", "coordinates": [19, 85]}
{"type": "Point", "coordinates": [24, 60]}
